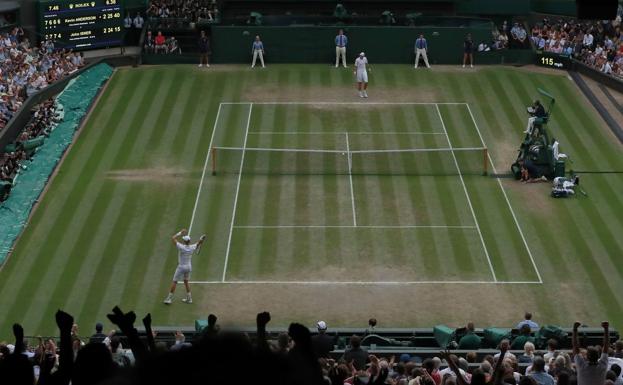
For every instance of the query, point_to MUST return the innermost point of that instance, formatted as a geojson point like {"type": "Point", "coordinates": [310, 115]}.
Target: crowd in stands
{"type": "Point", "coordinates": [598, 44]}
{"type": "Point", "coordinates": [161, 44]}
{"type": "Point", "coordinates": [24, 69]}
{"type": "Point", "coordinates": [297, 357]}
{"type": "Point", "coordinates": [191, 11]}
{"type": "Point", "coordinates": [44, 118]}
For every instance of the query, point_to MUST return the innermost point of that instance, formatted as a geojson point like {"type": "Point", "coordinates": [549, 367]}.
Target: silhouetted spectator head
{"type": "Point", "coordinates": [372, 322]}
{"type": "Point", "coordinates": [16, 369]}
{"type": "Point", "coordinates": [429, 365]}
{"type": "Point", "coordinates": [538, 364]}
{"type": "Point", "coordinates": [552, 344]}
{"type": "Point", "coordinates": [355, 342]}
{"type": "Point", "coordinates": [525, 330]}
{"type": "Point", "coordinates": [283, 341]}
{"type": "Point", "coordinates": [505, 344]}
{"type": "Point", "coordinates": [528, 315]}
{"type": "Point", "coordinates": [563, 378]}
{"type": "Point", "coordinates": [115, 342]}
{"type": "Point", "coordinates": [300, 335]}
{"type": "Point", "coordinates": [478, 377]}
{"type": "Point", "coordinates": [470, 326]}
{"type": "Point", "coordinates": [93, 365]}
{"type": "Point", "coordinates": [592, 354]}
{"type": "Point", "coordinates": [616, 369]}
{"type": "Point", "coordinates": [471, 357]}
{"type": "Point", "coordinates": [618, 346]}
{"type": "Point", "coordinates": [99, 327]}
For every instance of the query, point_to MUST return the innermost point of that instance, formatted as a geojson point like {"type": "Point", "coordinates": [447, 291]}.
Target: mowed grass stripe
{"type": "Point", "coordinates": [133, 252]}
{"type": "Point", "coordinates": [120, 235]}
{"type": "Point", "coordinates": [63, 229]}
{"type": "Point", "coordinates": [162, 260]}
{"type": "Point", "coordinates": [50, 208]}
{"type": "Point", "coordinates": [107, 194]}
{"type": "Point", "coordinates": [497, 225]}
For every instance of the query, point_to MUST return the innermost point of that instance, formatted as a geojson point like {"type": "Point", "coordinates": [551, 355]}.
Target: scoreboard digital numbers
{"type": "Point", "coordinates": [80, 25]}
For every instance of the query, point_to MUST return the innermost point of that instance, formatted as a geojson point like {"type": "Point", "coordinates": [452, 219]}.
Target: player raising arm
{"type": "Point", "coordinates": [185, 251]}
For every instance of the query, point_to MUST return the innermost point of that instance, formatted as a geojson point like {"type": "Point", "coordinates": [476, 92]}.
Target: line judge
{"type": "Point", "coordinates": [340, 48]}
{"type": "Point", "coordinates": [421, 47]}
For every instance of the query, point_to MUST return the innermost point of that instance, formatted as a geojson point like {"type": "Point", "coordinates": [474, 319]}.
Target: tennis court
{"type": "Point", "coordinates": [396, 195]}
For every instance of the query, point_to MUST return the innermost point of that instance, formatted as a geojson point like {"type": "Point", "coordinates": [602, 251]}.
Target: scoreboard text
{"type": "Point", "coordinates": [77, 24]}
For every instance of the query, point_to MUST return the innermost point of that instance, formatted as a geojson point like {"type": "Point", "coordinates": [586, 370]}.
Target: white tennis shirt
{"type": "Point", "coordinates": [185, 253]}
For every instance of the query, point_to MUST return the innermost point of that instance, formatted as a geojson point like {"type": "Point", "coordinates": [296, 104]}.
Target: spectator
{"type": "Point", "coordinates": [539, 375]}
{"type": "Point", "coordinates": [522, 338]}
{"type": "Point", "coordinates": [355, 353]}
{"type": "Point", "coordinates": [173, 46]}
{"type": "Point", "coordinates": [170, 13]}
{"type": "Point", "coordinates": [528, 355]}
{"type": "Point", "coordinates": [552, 345]}
{"type": "Point", "coordinates": [592, 368]}
{"type": "Point", "coordinates": [322, 343]}
{"type": "Point", "coordinates": [98, 337]}
{"type": "Point", "coordinates": [160, 43]}
{"type": "Point", "coordinates": [149, 46]}
{"type": "Point", "coordinates": [470, 341]}
{"type": "Point", "coordinates": [518, 36]}
{"type": "Point", "coordinates": [283, 344]}
{"type": "Point", "coordinates": [119, 356]}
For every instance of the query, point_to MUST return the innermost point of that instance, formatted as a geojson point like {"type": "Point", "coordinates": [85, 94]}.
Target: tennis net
{"type": "Point", "coordinates": [293, 161]}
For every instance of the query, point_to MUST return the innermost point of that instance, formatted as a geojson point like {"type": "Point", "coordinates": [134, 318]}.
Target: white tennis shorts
{"type": "Point", "coordinates": [362, 76]}
{"type": "Point", "coordinates": [182, 273]}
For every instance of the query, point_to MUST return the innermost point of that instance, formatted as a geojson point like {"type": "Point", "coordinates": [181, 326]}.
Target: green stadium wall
{"type": "Point", "coordinates": [315, 44]}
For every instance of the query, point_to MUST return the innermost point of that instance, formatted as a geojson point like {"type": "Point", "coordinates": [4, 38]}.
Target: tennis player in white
{"type": "Point", "coordinates": [361, 71]}
{"type": "Point", "coordinates": [185, 251]}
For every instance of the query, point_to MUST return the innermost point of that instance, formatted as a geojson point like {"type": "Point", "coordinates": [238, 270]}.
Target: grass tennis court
{"type": "Point", "coordinates": [359, 198]}
{"type": "Point", "coordinates": [414, 238]}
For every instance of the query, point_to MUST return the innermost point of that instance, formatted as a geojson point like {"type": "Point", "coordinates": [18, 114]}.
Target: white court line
{"type": "Point", "coordinates": [340, 133]}
{"type": "Point", "coordinates": [523, 238]}
{"type": "Point", "coordinates": [233, 215]}
{"type": "Point", "coordinates": [363, 283]}
{"type": "Point", "coordinates": [205, 166]}
{"type": "Point", "coordinates": [349, 103]}
{"type": "Point", "coordinates": [351, 226]}
{"type": "Point", "coordinates": [350, 176]}
{"type": "Point", "coordinates": [469, 201]}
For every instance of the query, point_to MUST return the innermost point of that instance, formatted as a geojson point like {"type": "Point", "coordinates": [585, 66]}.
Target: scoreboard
{"type": "Point", "coordinates": [81, 24]}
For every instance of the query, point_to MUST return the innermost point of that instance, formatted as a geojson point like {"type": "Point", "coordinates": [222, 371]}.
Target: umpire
{"type": "Point", "coordinates": [204, 49]}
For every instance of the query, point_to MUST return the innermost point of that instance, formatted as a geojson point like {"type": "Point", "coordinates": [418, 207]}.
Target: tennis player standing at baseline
{"type": "Point", "coordinates": [185, 251]}
{"type": "Point", "coordinates": [361, 71]}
